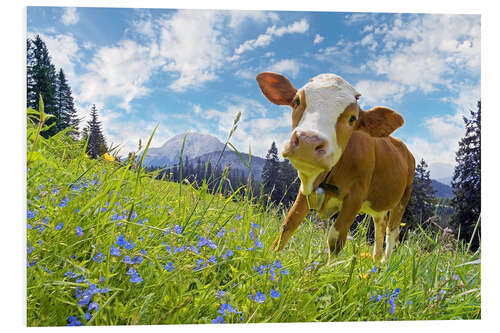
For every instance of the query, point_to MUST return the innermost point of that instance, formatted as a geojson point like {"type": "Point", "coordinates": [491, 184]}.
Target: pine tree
{"type": "Point", "coordinates": [65, 105]}
{"type": "Point", "coordinates": [96, 142]}
{"type": "Point", "coordinates": [423, 197]}
{"type": "Point", "coordinates": [41, 80]}
{"type": "Point", "coordinates": [288, 182]}
{"type": "Point", "coordinates": [466, 182]}
{"type": "Point", "coordinates": [270, 174]}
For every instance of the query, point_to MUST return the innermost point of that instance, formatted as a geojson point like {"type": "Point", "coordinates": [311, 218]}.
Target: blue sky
{"type": "Point", "coordinates": [194, 70]}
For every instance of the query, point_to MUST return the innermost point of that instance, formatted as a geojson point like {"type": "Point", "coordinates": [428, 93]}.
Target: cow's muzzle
{"type": "Point", "coordinates": [307, 147]}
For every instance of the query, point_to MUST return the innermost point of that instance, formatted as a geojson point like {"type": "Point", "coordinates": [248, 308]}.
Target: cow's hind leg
{"type": "Point", "coordinates": [380, 223]}
{"type": "Point", "coordinates": [392, 232]}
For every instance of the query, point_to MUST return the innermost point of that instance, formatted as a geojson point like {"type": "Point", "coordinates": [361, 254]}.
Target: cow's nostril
{"type": "Point", "coordinates": [321, 148]}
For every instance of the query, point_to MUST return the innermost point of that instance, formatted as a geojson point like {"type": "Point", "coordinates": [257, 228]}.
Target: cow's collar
{"type": "Point", "coordinates": [316, 199]}
{"type": "Point", "coordinates": [328, 187]}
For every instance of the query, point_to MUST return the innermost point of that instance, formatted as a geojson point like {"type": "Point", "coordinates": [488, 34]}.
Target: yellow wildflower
{"type": "Point", "coordinates": [365, 255]}
{"type": "Point", "coordinates": [364, 276]}
{"type": "Point", "coordinates": [402, 224]}
{"type": "Point", "coordinates": [108, 157]}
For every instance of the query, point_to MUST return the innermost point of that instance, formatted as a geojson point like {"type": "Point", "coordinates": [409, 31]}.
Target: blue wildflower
{"type": "Point", "coordinates": [275, 293]}
{"type": "Point", "coordinates": [285, 272]}
{"type": "Point", "coordinates": [64, 202]}
{"type": "Point", "coordinates": [30, 249]}
{"type": "Point", "coordinates": [259, 297]}
{"type": "Point", "coordinates": [255, 226]}
{"type": "Point", "coordinates": [73, 321]}
{"type": "Point", "coordinates": [228, 254]}
{"type": "Point", "coordinates": [70, 274]}
{"type": "Point", "coordinates": [220, 294]}
{"type": "Point", "coordinates": [212, 259]}
{"type": "Point", "coordinates": [178, 229]}
{"type": "Point", "coordinates": [194, 249]}
{"type": "Point", "coordinates": [218, 320]}
{"type": "Point", "coordinates": [238, 217]}
{"type": "Point", "coordinates": [31, 214]}
{"type": "Point", "coordinates": [114, 251]}
{"type": "Point", "coordinates": [79, 231]}
{"type": "Point", "coordinates": [374, 269]}
{"type": "Point", "coordinates": [99, 257]}
{"type": "Point", "coordinates": [137, 260]}
{"type": "Point", "coordinates": [127, 260]}
{"type": "Point", "coordinates": [59, 226]}
{"type": "Point", "coordinates": [251, 234]}
{"type": "Point", "coordinates": [169, 267]}
{"type": "Point", "coordinates": [258, 243]}
{"type": "Point", "coordinates": [87, 316]}
{"type": "Point", "coordinates": [221, 233]}
{"type": "Point", "coordinates": [85, 299]}
{"type": "Point", "coordinates": [277, 264]}
{"type": "Point", "coordinates": [93, 306]}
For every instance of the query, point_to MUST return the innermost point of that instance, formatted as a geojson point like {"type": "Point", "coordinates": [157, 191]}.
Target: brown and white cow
{"type": "Point", "coordinates": [345, 156]}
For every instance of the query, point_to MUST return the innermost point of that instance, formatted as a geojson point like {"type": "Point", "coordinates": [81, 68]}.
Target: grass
{"type": "Point", "coordinates": [91, 221]}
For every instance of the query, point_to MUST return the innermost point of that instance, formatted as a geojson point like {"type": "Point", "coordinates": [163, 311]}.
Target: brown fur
{"type": "Point", "coordinates": [375, 170]}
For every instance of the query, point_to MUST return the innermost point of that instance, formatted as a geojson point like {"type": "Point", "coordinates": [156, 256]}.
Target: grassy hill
{"type": "Point", "coordinates": [107, 245]}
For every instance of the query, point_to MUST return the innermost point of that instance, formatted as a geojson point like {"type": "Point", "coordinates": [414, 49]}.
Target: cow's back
{"type": "Point", "coordinates": [393, 173]}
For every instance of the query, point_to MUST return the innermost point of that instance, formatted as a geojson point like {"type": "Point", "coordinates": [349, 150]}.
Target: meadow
{"type": "Point", "coordinates": [108, 244]}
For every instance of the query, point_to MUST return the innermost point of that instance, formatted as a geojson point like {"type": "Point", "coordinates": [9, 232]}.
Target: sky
{"type": "Point", "coordinates": [194, 70]}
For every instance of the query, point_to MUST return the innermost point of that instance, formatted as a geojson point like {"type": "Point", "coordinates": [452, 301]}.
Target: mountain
{"type": "Point", "coordinates": [442, 190]}
{"type": "Point", "coordinates": [445, 180]}
{"type": "Point", "coordinates": [168, 154]}
{"type": "Point", "coordinates": [232, 159]}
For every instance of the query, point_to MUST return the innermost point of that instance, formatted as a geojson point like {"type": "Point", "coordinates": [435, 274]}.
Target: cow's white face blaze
{"type": "Point", "coordinates": [327, 96]}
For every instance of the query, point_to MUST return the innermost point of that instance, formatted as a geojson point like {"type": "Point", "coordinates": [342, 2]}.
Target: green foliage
{"type": "Point", "coordinates": [96, 143]}
{"type": "Point", "coordinates": [81, 210]}
{"type": "Point", "coordinates": [41, 79]}
{"type": "Point", "coordinates": [466, 182]}
{"type": "Point", "coordinates": [422, 201]}
{"type": "Point", "coordinates": [279, 179]}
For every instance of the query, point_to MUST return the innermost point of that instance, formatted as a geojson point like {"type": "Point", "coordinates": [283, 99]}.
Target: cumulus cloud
{"type": "Point", "coordinates": [288, 67]}
{"type": "Point", "coordinates": [119, 71]}
{"type": "Point", "coordinates": [426, 49]}
{"type": "Point", "coordinates": [193, 44]}
{"type": "Point", "coordinates": [70, 16]}
{"type": "Point", "coordinates": [265, 39]}
{"type": "Point", "coordinates": [318, 39]}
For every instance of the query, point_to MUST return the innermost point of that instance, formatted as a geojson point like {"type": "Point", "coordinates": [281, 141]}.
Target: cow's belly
{"type": "Point", "coordinates": [332, 205]}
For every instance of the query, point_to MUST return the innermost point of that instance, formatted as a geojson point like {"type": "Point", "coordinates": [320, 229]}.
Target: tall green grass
{"type": "Point", "coordinates": [155, 223]}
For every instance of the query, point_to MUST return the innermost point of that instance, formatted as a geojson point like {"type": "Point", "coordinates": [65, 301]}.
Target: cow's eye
{"type": "Point", "coordinates": [297, 102]}
{"type": "Point", "coordinates": [352, 119]}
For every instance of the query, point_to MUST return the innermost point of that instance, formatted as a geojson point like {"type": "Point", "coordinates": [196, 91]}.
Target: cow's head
{"type": "Point", "coordinates": [325, 113]}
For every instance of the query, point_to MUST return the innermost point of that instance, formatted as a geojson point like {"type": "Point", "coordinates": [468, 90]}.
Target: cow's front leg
{"type": "Point", "coordinates": [338, 231]}
{"type": "Point", "coordinates": [295, 216]}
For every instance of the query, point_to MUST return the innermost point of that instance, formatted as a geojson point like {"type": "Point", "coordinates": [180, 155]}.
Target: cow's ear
{"type": "Point", "coordinates": [379, 121]}
{"type": "Point", "coordinates": [277, 88]}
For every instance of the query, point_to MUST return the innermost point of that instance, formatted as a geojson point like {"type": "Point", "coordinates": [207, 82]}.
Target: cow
{"type": "Point", "coordinates": [346, 161]}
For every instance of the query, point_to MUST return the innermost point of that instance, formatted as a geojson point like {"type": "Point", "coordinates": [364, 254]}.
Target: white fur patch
{"type": "Point", "coordinates": [390, 240]}
{"type": "Point", "coordinates": [327, 96]}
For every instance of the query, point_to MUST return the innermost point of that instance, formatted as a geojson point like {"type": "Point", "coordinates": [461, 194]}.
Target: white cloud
{"type": "Point", "coordinates": [70, 16]}
{"type": "Point", "coordinates": [370, 42]}
{"type": "Point", "coordinates": [426, 49]}
{"type": "Point", "coordinates": [318, 39]}
{"type": "Point", "coordinates": [193, 45]}
{"type": "Point", "coordinates": [440, 147]}
{"type": "Point", "coordinates": [288, 67]}
{"type": "Point", "coordinates": [378, 92]}
{"type": "Point", "coordinates": [238, 17]}
{"type": "Point", "coordinates": [119, 71]}
{"type": "Point", "coordinates": [265, 39]}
